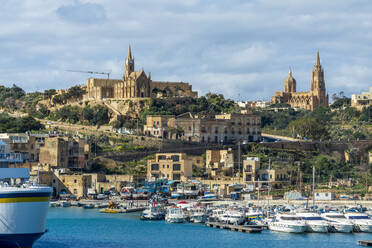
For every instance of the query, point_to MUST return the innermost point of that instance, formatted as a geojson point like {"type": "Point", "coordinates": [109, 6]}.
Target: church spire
{"type": "Point", "coordinates": [317, 61]}
{"type": "Point", "coordinates": [129, 53]}
{"type": "Point", "coordinates": [129, 63]}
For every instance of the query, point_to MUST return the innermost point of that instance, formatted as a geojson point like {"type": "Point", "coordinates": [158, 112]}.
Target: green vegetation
{"type": "Point", "coordinates": [73, 93]}
{"type": "Point", "coordinates": [96, 115]}
{"type": "Point", "coordinates": [345, 123]}
{"type": "Point", "coordinates": [10, 124]}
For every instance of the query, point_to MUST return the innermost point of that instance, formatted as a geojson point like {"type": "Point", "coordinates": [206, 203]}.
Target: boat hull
{"type": "Point", "coordinates": [287, 228]}
{"type": "Point", "coordinates": [19, 240]}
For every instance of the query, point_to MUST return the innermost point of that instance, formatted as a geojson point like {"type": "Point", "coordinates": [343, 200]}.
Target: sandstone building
{"type": "Point", "coordinates": [257, 176]}
{"type": "Point", "coordinates": [221, 128]}
{"type": "Point", "coordinates": [135, 84]}
{"type": "Point", "coordinates": [172, 166]}
{"type": "Point", "coordinates": [360, 101]}
{"type": "Point", "coordinates": [309, 100]}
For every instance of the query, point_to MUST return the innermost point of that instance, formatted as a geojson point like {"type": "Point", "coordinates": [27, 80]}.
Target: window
{"type": "Point", "coordinates": [189, 128]}
{"type": "Point", "coordinates": [75, 191]}
{"type": "Point", "coordinates": [176, 167]}
{"type": "Point", "coordinates": [175, 158]}
{"type": "Point", "coordinates": [163, 166]}
{"type": "Point", "coordinates": [161, 157]}
{"type": "Point", "coordinates": [167, 166]}
{"type": "Point", "coordinates": [176, 176]}
{"type": "Point", "coordinates": [154, 166]}
{"type": "Point", "coordinates": [248, 178]}
{"type": "Point", "coordinates": [75, 181]}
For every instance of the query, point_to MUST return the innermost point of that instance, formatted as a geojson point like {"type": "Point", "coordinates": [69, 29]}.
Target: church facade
{"type": "Point", "coordinates": [316, 97]}
{"type": "Point", "coordinates": [135, 84]}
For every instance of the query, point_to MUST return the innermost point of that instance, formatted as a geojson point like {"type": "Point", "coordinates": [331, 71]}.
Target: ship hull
{"type": "Point", "coordinates": [19, 240]}
{"type": "Point", "coordinates": [23, 214]}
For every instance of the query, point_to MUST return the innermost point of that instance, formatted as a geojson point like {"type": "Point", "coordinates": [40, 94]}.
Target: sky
{"type": "Point", "coordinates": [242, 49]}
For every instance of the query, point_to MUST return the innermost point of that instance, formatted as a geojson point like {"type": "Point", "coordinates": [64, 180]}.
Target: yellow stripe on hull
{"type": "Point", "coordinates": [24, 199]}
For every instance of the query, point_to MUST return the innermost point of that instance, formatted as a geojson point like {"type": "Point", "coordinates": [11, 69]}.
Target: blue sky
{"type": "Point", "coordinates": [241, 49]}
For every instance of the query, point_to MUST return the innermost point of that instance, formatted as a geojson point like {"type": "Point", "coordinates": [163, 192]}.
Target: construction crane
{"type": "Point", "coordinates": [93, 72]}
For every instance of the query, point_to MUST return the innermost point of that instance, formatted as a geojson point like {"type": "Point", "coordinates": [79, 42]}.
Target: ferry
{"type": "Point", "coordinates": [23, 208]}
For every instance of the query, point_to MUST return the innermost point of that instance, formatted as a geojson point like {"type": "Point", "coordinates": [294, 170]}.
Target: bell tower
{"type": "Point", "coordinates": [129, 63]}
{"type": "Point", "coordinates": [318, 84]}
{"type": "Point", "coordinates": [317, 81]}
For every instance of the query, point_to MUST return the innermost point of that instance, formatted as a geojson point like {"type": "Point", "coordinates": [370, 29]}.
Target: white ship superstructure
{"type": "Point", "coordinates": [23, 208]}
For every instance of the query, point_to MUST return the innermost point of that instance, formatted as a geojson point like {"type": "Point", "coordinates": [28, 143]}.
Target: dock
{"type": "Point", "coordinates": [237, 228]}
{"type": "Point", "coordinates": [365, 242]}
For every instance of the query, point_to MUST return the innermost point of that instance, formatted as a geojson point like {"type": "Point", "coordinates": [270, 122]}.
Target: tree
{"type": "Point", "coordinates": [49, 93]}
{"type": "Point", "coordinates": [308, 128]}
{"type": "Point", "coordinates": [76, 92]}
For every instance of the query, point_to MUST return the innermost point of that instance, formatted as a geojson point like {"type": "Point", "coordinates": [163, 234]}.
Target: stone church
{"type": "Point", "coordinates": [309, 100]}
{"type": "Point", "coordinates": [135, 84]}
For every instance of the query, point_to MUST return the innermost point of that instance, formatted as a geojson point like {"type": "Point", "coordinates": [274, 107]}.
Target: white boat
{"type": "Point", "coordinates": [216, 214]}
{"type": "Point", "coordinates": [254, 214]}
{"type": "Point", "coordinates": [153, 212]}
{"type": "Point", "coordinates": [23, 209]}
{"type": "Point", "coordinates": [198, 215]}
{"type": "Point", "coordinates": [314, 222]}
{"type": "Point", "coordinates": [362, 223]}
{"type": "Point", "coordinates": [175, 215]}
{"type": "Point", "coordinates": [232, 216]}
{"type": "Point", "coordinates": [208, 196]}
{"type": "Point", "coordinates": [338, 222]}
{"type": "Point", "coordinates": [287, 223]}
{"type": "Point", "coordinates": [65, 204]}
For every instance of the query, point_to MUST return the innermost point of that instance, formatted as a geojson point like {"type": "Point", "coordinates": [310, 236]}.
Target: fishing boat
{"type": "Point", "coordinates": [175, 215]}
{"type": "Point", "coordinates": [208, 196]}
{"type": "Point", "coordinates": [254, 213]}
{"type": "Point", "coordinates": [314, 222]}
{"type": "Point", "coordinates": [23, 209]}
{"type": "Point", "coordinates": [113, 208]}
{"type": "Point", "coordinates": [361, 221]}
{"type": "Point", "coordinates": [338, 222]}
{"type": "Point", "coordinates": [154, 212]}
{"type": "Point", "coordinates": [232, 216]}
{"type": "Point", "coordinates": [287, 223]}
{"type": "Point", "coordinates": [198, 215]}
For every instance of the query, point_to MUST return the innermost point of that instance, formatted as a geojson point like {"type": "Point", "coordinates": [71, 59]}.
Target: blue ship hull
{"type": "Point", "coordinates": [18, 240]}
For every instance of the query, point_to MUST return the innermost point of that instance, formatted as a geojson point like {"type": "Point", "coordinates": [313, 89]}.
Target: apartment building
{"type": "Point", "coordinates": [172, 166]}
{"type": "Point", "coordinates": [257, 176]}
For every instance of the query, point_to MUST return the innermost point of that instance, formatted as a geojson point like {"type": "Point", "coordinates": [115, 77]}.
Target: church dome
{"type": "Point", "coordinates": [290, 78]}
{"type": "Point", "coordinates": [290, 83]}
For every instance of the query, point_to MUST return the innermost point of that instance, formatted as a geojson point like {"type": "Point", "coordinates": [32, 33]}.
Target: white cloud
{"type": "Point", "coordinates": [233, 47]}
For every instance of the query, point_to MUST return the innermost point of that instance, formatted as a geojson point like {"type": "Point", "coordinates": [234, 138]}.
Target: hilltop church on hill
{"type": "Point", "coordinates": [309, 100]}
{"type": "Point", "coordinates": [135, 84]}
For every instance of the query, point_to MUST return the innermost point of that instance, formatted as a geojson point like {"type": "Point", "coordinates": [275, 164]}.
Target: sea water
{"type": "Point", "coordinates": [80, 228]}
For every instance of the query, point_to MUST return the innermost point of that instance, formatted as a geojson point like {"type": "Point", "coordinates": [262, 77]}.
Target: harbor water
{"type": "Point", "coordinates": [80, 228]}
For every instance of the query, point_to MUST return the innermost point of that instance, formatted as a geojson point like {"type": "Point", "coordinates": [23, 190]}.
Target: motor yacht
{"type": "Point", "coordinates": [287, 223]}
{"type": "Point", "coordinates": [338, 222]}
{"type": "Point", "coordinates": [314, 222]}
{"type": "Point", "coordinates": [362, 223]}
